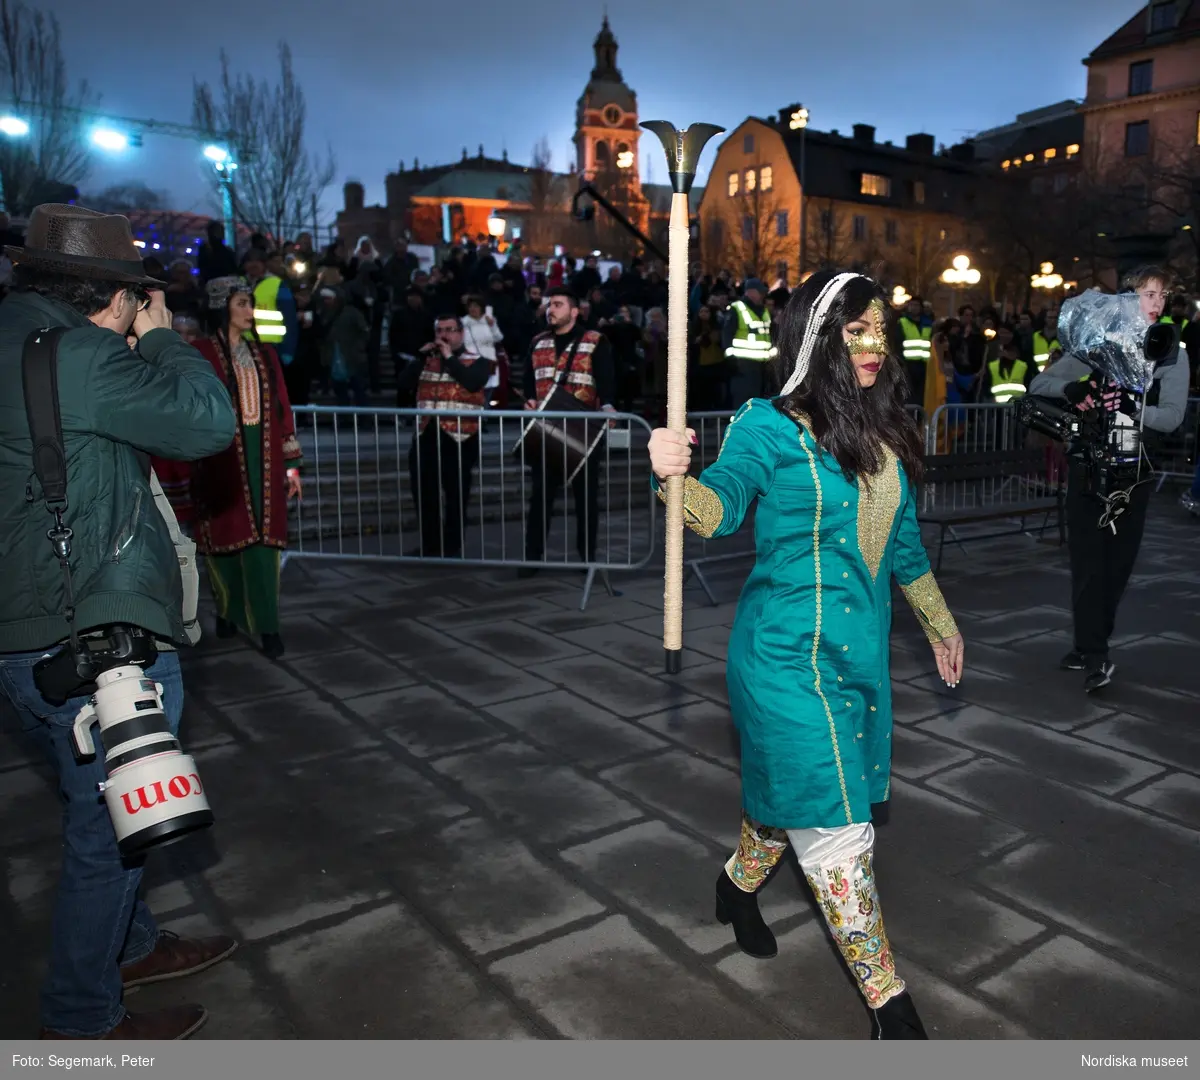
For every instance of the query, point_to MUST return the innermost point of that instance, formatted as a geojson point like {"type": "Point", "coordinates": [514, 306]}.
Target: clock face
{"type": "Point", "coordinates": [612, 115]}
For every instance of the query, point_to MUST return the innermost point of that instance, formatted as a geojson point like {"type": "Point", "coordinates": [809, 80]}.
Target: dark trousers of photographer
{"type": "Point", "coordinates": [440, 469]}
{"type": "Point", "coordinates": [1101, 561]}
{"type": "Point", "coordinates": [99, 923]}
{"type": "Point", "coordinates": [547, 487]}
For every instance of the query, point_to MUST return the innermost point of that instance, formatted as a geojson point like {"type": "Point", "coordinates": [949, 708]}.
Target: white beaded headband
{"type": "Point", "coordinates": [816, 319]}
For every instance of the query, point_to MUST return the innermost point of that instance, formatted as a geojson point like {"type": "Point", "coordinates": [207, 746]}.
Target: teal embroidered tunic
{"type": "Point", "coordinates": [807, 669]}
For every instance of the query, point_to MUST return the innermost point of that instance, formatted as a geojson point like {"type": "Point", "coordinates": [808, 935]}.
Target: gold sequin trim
{"type": "Point", "coordinates": [837, 754]}
{"type": "Point", "coordinates": [929, 606]}
{"type": "Point", "coordinates": [703, 510]}
{"type": "Point", "coordinates": [878, 501]}
{"type": "Point", "coordinates": [759, 850]}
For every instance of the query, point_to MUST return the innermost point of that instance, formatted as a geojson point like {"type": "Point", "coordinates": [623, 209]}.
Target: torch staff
{"type": "Point", "coordinates": [683, 149]}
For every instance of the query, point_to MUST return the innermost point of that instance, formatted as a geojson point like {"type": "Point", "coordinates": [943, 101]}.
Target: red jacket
{"type": "Point", "coordinates": [222, 504]}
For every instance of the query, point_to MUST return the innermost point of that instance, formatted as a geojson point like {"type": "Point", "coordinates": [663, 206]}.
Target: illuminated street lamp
{"type": "Point", "coordinates": [110, 139]}
{"type": "Point", "coordinates": [900, 296]}
{"type": "Point", "coordinates": [14, 127]}
{"type": "Point", "coordinates": [496, 225]}
{"type": "Point", "coordinates": [961, 272]}
{"type": "Point", "coordinates": [1047, 279]}
{"type": "Point", "coordinates": [225, 166]}
{"type": "Point", "coordinates": [798, 121]}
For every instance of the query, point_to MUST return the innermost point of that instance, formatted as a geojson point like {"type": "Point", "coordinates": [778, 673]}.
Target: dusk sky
{"type": "Point", "coordinates": [386, 82]}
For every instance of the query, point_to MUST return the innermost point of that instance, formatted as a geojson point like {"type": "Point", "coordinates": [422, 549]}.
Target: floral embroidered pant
{"type": "Point", "coordinates": [837, 864]}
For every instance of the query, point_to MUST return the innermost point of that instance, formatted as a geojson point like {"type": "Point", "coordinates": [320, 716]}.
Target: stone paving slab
{"type": "Point", "coordinates": [461, 807]}
{"type": "Point", "coordinates": [610, 982]}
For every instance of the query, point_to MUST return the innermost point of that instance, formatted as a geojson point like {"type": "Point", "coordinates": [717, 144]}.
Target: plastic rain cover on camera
{"type": "Point", "coordinates": [1107, 333]}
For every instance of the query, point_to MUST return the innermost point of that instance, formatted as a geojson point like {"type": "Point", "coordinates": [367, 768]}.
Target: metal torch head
{"type": "Point", "coordinates": [683, 149]}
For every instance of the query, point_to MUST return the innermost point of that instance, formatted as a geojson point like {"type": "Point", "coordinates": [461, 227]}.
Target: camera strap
{"type": "Point", "coordinates": [39, 376]}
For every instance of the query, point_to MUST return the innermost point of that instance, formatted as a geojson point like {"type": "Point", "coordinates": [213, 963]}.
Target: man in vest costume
{"type": "Point", "coordinates": [1045, 342]}
{"type": "Point", "coordinates": [746, 337]}
{"type": "Point", "coordinates": [916, 348]}
{"type": "Point", "coordinates": [581, 361]}
{"type": "Point", "coordinates": [1008, 375]}
{"type": "Point", "coordinates": [448, 380]}
{"type": "Point", "coordinates": [275, 319]}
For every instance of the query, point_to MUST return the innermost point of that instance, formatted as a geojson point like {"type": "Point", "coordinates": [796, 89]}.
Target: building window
{"type": "Point", "coordinates": [733, 184]}
{"type": "Point", "coordinates": [601, 154]}
{"type": "Point", "coordinates": [1005, 164]}
{"type": "Point", "coordinates": [1050, 154]}
{"type": "Point", "coordinates": [1037, 186]}
{"type": "Point", "coordinates": [827, 222]}
{"type": "Point", "coordinates": [781, 269]}
{"type": "Point", "coordinates": [1141, 77]}
{"type": "Point", "coordinates": [919, 192]}
{"type": "Point", "coordinates": [781, 223]}
{"type": "Point", "coordinates": [942, 235]}
{"type": "Point", "coordinates": [766, 178]}
{"type": "Point", "coordinates": [751, 180]}
{"type": "Point", "coordinates": [1137, 139]}
{"type": "Point", "coordinates": [874, 184]}
{"type": "Point", "coordinates": [860, 227]}
{"type": "Point", "coordinates": [1073, 149]}
{"type": "Point", "coordinates": [1060, 183]}
{"type": "Point", "coordinates": [747, 227]}
{"type": "Point", "coordinates": [890, 232]}
{"type": "Point", "coordinates": [748, 144]}
{"type": "Point", "coordinates": [1162, 17]}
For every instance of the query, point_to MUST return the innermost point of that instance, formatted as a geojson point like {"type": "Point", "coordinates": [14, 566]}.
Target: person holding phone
{"type": "Point", "coordinates": [483, 336]}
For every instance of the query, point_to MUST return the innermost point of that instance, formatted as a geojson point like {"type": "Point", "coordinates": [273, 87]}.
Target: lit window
{"type": "Point", "coordinates": [1016, 163]}
{"type": "Point", "coordinates": [1005, 164]}
{"type": "Point", "coordinates": [943, 235]}
{"type": "Point", "coordinates": [766, 178]}
{"type": "Point", "coordinates": [1028, 157]}
{"type": "Point", "coordinates": [919, 192]}
{"type": "Point", "coordinates": [1073, 149]}
{"type": "Point", "coordinates": [751, 179]}
{"type": "Point", "coordinates": [733, 184]}
{"type": "Point", "coordinates": [1049, 155]}
{"type": "Point", "coordinates": [873, 184]}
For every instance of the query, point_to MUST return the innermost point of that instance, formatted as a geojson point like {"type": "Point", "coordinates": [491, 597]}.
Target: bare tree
{"type": "Point", "coordinates": [34, 79]}
{"type": "Point", "coordinates": [277, 177]}
{"type": "Point", "coordinates": [758, 236]}
{"type": "Point", "coordinates": [831, 243]}
{"type": "Point", "coordinates": [121, 198]}
{"type": "Point", "coordinates": [546, 211]}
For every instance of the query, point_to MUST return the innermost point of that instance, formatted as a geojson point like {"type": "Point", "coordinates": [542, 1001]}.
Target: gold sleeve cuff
{"type": "Point", "coordinates": [703, 510]}
{"type": "Point", "coordinates": [929, 606]}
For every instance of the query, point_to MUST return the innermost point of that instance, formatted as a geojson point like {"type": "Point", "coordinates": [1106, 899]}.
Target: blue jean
{"type": "Point", "coordinates": [99, 922]}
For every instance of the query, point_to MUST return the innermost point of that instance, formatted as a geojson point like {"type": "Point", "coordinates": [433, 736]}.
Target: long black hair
{"type": "Point", "coordinates": [850, 423]}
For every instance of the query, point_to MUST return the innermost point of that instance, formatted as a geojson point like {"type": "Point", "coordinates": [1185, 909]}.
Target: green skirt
{"type": "Point", "coordinates": [245, 584]}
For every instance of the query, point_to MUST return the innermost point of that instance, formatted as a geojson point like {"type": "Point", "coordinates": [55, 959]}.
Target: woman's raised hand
{"type": "Point", "coordinates": [670, 452]}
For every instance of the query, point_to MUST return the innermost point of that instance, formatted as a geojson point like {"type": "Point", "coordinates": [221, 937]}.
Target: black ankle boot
{"type": "Point", "coordinates": [272, 646]}
{"type": "Point", "coordinates": [225, 628]}
{"type": "Point", "coordinates": [741, 908]}
{"type": "Point", "coordinates": [897, 1019]}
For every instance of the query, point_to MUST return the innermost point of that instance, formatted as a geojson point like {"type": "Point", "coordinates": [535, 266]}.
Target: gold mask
{"type": "Point", "coordinates": [874, 340]}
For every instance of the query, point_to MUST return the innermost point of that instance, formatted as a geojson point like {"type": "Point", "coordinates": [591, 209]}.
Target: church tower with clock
{"type": "Point", "coordinates": [607, 132]}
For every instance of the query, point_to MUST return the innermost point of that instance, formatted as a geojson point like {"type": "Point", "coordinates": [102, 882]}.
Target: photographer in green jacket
{"type": "Point", "coordinates": [81, 270]}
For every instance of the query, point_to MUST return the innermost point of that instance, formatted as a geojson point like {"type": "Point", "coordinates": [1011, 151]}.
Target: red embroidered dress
{"type": "Point", "coordinates": [579, 381]}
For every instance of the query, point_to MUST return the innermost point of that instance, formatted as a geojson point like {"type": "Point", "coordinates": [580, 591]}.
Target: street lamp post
{"type": "Point", "coordinates": [225, 165]}
{"type": "Point", "coordinates": [799, 122]}
{"type": "Point", "coordinates": [959, 275]}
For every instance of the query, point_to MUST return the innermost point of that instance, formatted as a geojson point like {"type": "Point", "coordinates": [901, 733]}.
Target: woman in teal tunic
{"type": "Point", "coordinates": [830, 463]}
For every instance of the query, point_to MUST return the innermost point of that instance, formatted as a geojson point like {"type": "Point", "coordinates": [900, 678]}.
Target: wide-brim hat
{"type": "Point", "coordinates": [79, 242]}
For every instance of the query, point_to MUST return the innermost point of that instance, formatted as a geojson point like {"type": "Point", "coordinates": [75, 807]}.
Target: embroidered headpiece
{"type": "Point", "coordinates": [816, 320]}
{"type": "Point", "coordinates": [222, 288]}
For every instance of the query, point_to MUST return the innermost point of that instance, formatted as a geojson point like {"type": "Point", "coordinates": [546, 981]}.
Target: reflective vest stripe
{"type": "Point", "coordinates": [1009, 385]}
{"type": "Point", "coordinates": [752, 339]}
{"type": "Point", "coordinates": [1042, 349]}
{"type": "Point", "coordinates": [917, 347]}
{"type": "Point", "coordinates": [268, 319]}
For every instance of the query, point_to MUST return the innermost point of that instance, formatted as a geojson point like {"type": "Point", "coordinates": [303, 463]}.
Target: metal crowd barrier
{"type": "Point", "coordinates": [1175, 455]}
{"type": "Point", "coordinates": [375, 489]}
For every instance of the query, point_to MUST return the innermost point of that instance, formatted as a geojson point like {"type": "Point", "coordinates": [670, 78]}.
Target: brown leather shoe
{"type": "Point", "coordinates": [179, 1022]}
{"type": "Point", "coordinates": [173, 957]}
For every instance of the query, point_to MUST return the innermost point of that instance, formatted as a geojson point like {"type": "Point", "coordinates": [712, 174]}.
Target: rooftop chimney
{"type": "Point", "coordinates": [920, 144]}
{"type": "Point", "coordinates": [964, 152]}
{"type": "Point", "coordinates": [864, 133]}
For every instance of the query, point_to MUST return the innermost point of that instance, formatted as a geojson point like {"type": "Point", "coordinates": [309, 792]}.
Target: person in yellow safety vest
{"type": "Point", "coordinates": [746, 337]}
{"type": "Point", "coordinates": [916, 348]}
{"type": "Point", "coordinates": [1045, 342]}
{"type": "Point", "coordinates": [1009, 374]}
{"type": "Point", "coordinates": [276, 322]}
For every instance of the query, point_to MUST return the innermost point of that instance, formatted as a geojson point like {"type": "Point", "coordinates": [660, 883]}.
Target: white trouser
{"type": "Point", "coordinates": [817, 848]}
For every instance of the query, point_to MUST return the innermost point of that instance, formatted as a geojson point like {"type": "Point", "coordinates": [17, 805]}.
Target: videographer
{"type": "Point", "coordinates": [80, 270]}
{"type": "Point", "coordinates": [1102, 558]}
